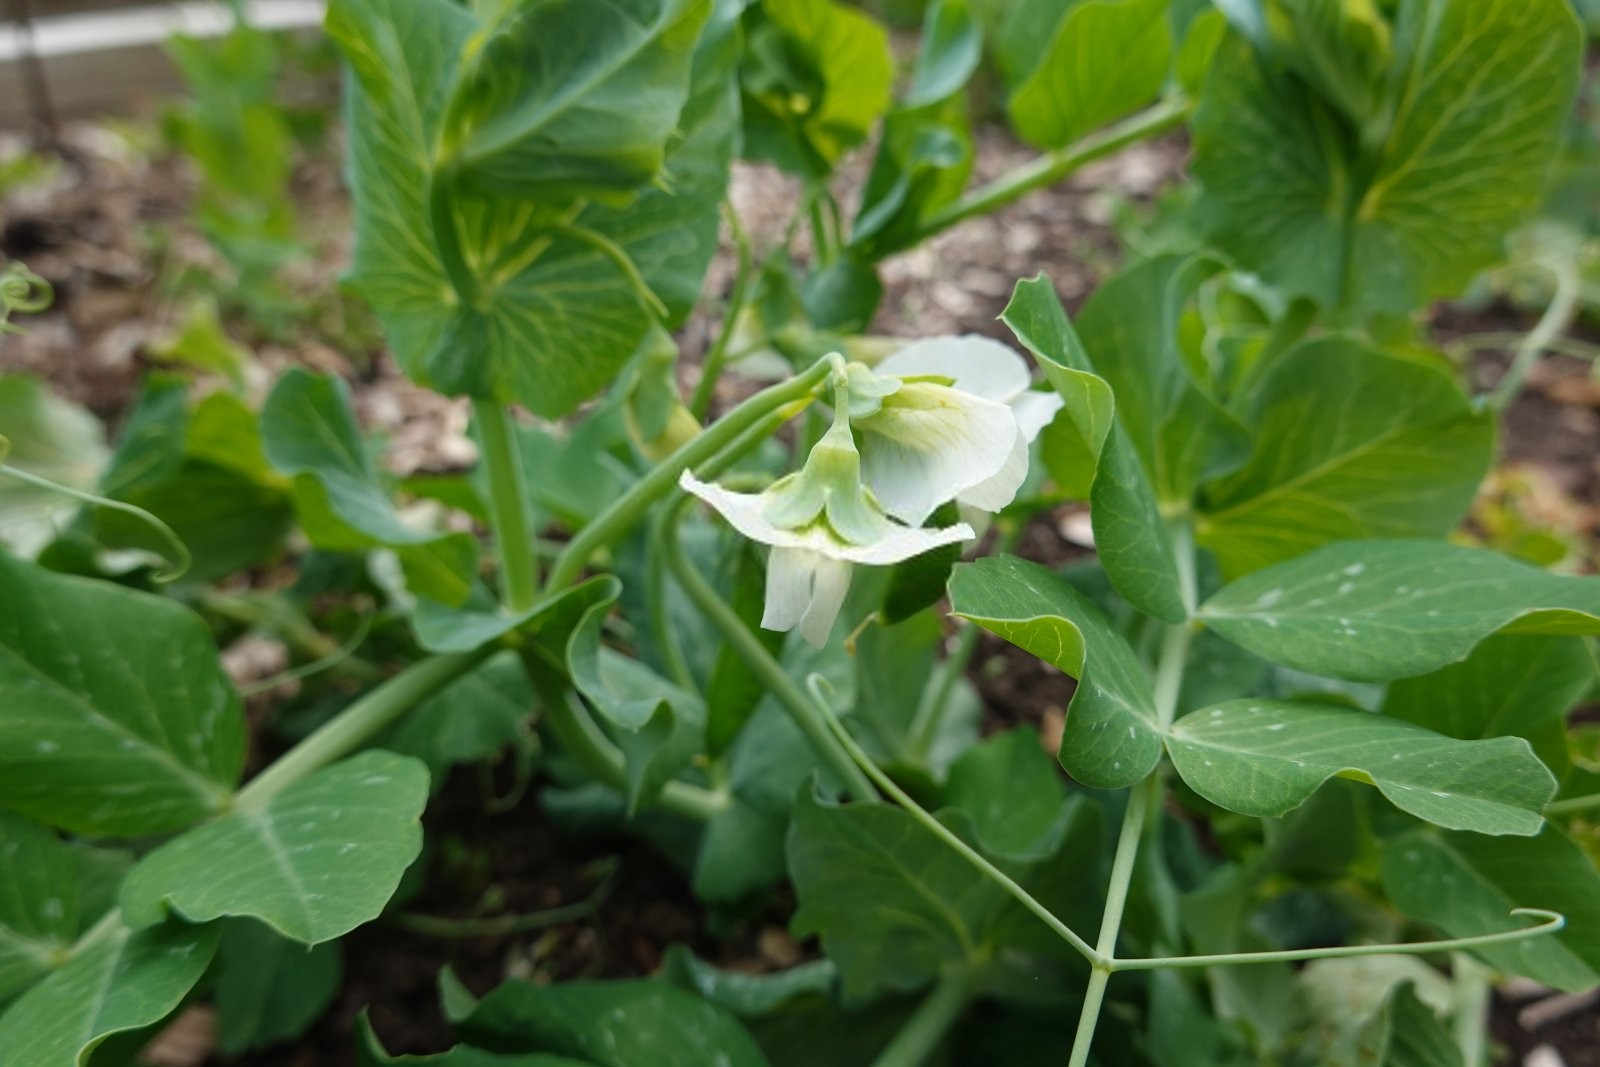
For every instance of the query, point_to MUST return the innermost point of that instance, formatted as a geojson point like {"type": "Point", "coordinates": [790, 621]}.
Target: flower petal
{"type": "Point", "coordinates": [1034, 410]}
{"type": "Point", "coordinates": [1000, 488]}
{"type": "Point", "coordinates": [973, 363]}
{"type": "Point", "coordinates": [789, 576]}
{"type": "Point", "coordinates": [743, 512]}
{"type": "Point", "coordinates": [930, 443]}
{"type": "Point", "coordinates": [830, 582]}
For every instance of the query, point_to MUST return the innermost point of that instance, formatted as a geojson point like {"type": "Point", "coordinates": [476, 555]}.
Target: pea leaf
{"type": "Point", "coordinates": [471, 719]}
{"type": "Point", "coordinates": [1135, 546]}
{"type": "Point", "coordinates": [891, 908]}
{"type": "Point", "coordinates": [373, 1054]}
{"type": "Point", "coordinates": [1466, 885]}
{"type": "Point", "coordinates": [556, 306]}
{"type": "Point", "coordinates": [952, 45]}
{"type": "Point", "coordinates": [1376, 610]}
{"type": "Point", "coordinates": [613, 1024]}
{"type": "Point", "coordinates": [49, 892]}
{"type": "Point", "coordinates": [115, 715]}
{"type": "Point", "coordinates": [269, 989]}
{"type": "Point", "coordinates": [1511, 685]}
{"type": "Point", "coordinates": [1105, 59]}
{"type": "Point", "coordinates": [816, 75]}
{"type": "Point", "coordinates": [480, 620]}
{"type": "Point", "coordinates": [54, 439]}
{"type": "Point", "coordinates": [1267, 757]}
{"type": "Point", "coordinates": [313, 863]}
{"type": "Point", "coordinates": [309, 432]}
{"type": "Point", "coordinates": [1111, 740]}
{"type": "Point", "coordinates": [123, 981]}
{"type": "Point", "coordinates": [1411, 200]}
{"type": "Point", "coordinates": [1350, 442]}
{"type": "Point", "coordinates": [534, 120]}
{"type": "Point", "coordinates": [1014, 797]}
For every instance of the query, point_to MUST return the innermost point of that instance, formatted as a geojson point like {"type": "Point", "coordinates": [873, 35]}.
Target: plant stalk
{"type": "Point", "coordinates": [1133, 826]}
{"type": "Point", "coordinates": [1471, 986]}
{"type": "Point", "coordinates": [346, 731]}
{"type": "Point", "coordinates": [717, 355]}
{"type": "Point", "coordinates": [631, 506]}
{"type": "Point", "coordinates": [508, 505]}
{"type": "Point", "coordinates": [1572, 805]}
{"type": "Point", "coordinates": [801, 708]}
{"type": "Point", "coordinates": [1053, 166]}
{"type": "Point", "coordinates": [927, 1026]}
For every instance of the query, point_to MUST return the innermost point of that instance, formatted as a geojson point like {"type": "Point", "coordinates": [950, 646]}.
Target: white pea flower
{"type": "Point", "coordinates": [957, 428]}
{"type": "Point", "coordinates": [819, 521]}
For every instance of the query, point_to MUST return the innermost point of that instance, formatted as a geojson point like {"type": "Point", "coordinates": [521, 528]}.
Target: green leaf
{"type": "Point", "coordinates": [1135, 546]}
{"type": "Point", "coordinates": [1466, 885]}
{"type": "Point", "coordinates": [269, 989]}
{"type": "Point", "coordinates": [1511, 685]}
{"type": "Point", "coordinates": [892, 905]}
{"type": "Point", "coordinates": [1267, 757]}
{"type": "Point", "coordinates": [952, 45]}
{"type": "Point", "coordinates": [1376, 610]}
{"type": "Point", "coordinates": [1111, 740]}
{"type": "Point", "coordinates": [123, 981]}
{"type": "Point", "coordinates": [557, 307]}
{"type": "Point", "coordinates": [49, 892]}
{"type": "Point", "coordinates": [373, 1054]}
{"type": "Point", "coordinates": [53, 439]}
{"type": "Point", "coordinates": [1106, 59]}
{"type": "Point", "coordinates": [614, 1024]}
{"type": "Point", "coordinates": [531, 120]}
{"type": "Point", "coordinates": [1013, 795]}
{"type": "Point", "coordinates": [309, 432]}
{"type": "Point", "coordinates": [923, 162]}
{"type": "Point", "coordinates": [115, 716]}
{"type": "Point", "coordinates": [200, 342]}
{"type": "Point", "coordinates": [314, 862]}
{"type": "Point", "coordinates": [469, 720]}
{"type": "Point", "coordinates": [816, 75]}
{"type": "Point", "coordinates": [1405, 204]}
{"type": "Point", "coordinates": [228, 521]}
{"type": "Point", "coordinates": [1351, 442]}
{"type": "Point", "coordinates": [1130, 328]}
{"type": "Point", "coordinates": [747, 995]}
{"type": "Point", "coordinates": [1419, 1037]}
{"type": "Point", "coordinates": [480, 620]}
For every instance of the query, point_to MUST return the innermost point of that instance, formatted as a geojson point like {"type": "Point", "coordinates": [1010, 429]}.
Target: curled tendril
{"type": "Point", "coordinates": [23, 291]}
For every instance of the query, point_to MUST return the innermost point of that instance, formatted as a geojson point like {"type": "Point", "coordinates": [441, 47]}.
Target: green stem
{"type": "Point", "coordinates": [1053, 166]}
{"type": "Point", "coordinates": [1556, 318]}
{"type": "Point", "coordinates": [801, 708]}
{"type": "Point", "coordinates": [930, 716]}
{"type": "Point", "coordinates": [717, 355]}
{"type": "Point", "coordinates": [1551, 922]}
{"type": "Point", "coordinates": [588, 744]}
{"type": "Point", "coordinates": [317, 666]}
{"type": "Point", "coordinates": [1144, 798]}
{"type": "Point", "coordinates": [660, 618]}
{"type": "Point", "coordinates": [1572, 805]}
{"type": "Point", "coordinates": [628, 508]}
{"type": "Point", "coordinates": [268, 611]}
{"type": "Point", "coordinates": [1133, 826]}
{"type": "Point", "coordinates": [346, 731]}
{"type": "Point", "coordinates": [927, 1026]}
{"type": "Point", "coordinates": [508, 505]}
{"type": "Point", "coordinates": [507, 925]}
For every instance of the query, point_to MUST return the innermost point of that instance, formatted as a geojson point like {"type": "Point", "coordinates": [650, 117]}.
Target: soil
{"type": "Point", "coordinates": [111, 233]}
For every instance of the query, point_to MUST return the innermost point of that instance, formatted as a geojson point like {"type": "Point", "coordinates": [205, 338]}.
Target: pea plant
{"type": "Point", "coordinates": [1320, 783]}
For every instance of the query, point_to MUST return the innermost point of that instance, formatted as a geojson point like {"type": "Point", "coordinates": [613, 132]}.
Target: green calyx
{"type": "Point", "coordinates": [829, 486]}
